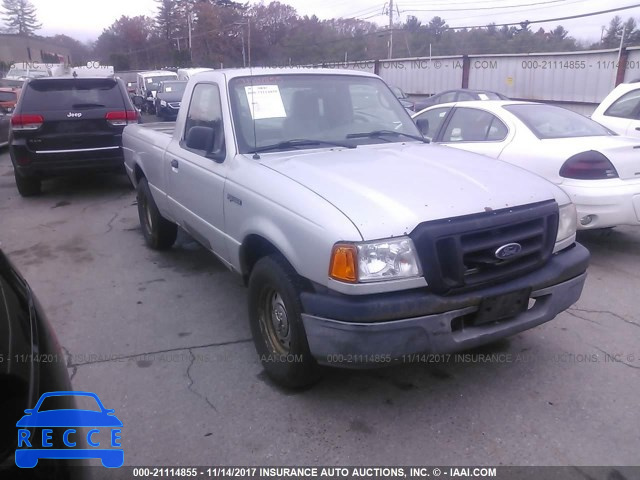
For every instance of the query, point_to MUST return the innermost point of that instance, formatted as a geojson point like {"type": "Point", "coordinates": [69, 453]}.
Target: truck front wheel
{"type": "Point", "coordinates": [276, 323]}
{"type": "Point", "coordinates": [159, 233]}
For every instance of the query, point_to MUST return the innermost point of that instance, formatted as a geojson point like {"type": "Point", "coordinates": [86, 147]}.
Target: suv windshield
{"type": "Point", "coordinates": [152, 83]}
{"type": "Point", "coordinates": [78, 93]}
{"type": "Point", "coordinates": [174, 87]}
{"type": "Point", "coordinates": [319, 109]}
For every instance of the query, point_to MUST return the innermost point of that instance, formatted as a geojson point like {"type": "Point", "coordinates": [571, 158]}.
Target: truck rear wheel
{"type": "Point", "coordinates": [275, 316]}
{"type": "Point", "coordinates": [159, 233]}
{"type": "Point", "coordinates": [27, 186]}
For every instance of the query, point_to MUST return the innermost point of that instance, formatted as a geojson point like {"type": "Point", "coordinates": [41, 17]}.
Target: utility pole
{"type": "Point", "coordinates": [389, 11]}
{"type": "Point", "coordinates": [390, 29]}
{"type": "Point", "coordinates": [190, 20]}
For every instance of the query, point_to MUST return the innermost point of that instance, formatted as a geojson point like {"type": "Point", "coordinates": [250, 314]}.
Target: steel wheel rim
{"type": "Point", "coordinates": [274, 321]}
{"type": "Point", "coordinates": [147, 214]}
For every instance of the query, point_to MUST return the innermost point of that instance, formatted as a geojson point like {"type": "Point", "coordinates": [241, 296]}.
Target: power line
{"type": "Point", "coordinates": [364, 11]}
{"type": "Point", "coordinates": [570, 17]}
{"type": "Point", "coordinates": [485, 8]}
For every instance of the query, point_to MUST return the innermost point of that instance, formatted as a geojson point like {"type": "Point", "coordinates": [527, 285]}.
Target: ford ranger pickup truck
{"type": "Point", "coordinates": [361, 244]}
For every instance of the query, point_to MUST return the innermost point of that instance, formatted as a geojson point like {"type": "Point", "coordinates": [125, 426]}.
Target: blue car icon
{"type": "Point", "coordinates": [47, 419]}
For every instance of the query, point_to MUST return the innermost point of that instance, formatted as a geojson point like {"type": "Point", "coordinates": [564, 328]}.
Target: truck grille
{"type": "Point", "coordinates": [460, 253]}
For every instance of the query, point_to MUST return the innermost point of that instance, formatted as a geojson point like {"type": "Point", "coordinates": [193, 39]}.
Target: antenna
{"type": "Point", "coordinates": [253, 111]}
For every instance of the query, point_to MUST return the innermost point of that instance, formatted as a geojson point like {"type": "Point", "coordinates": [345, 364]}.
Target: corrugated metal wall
{"type": "Point", "coordinates": [578, 80]}
{"type": "Point", "coordinates": [569, 76]}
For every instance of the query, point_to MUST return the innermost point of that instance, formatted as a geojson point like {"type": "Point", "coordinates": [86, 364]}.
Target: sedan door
{"type": "Point", "coordinates": [475, 130]}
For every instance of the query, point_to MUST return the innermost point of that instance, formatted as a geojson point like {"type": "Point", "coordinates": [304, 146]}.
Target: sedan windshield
{"type": "Point", "coordinates": [547, 121]}
{"type": "Point", "coordinates": [284, 112]}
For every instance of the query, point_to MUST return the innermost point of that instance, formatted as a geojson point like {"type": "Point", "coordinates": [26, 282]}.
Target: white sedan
{"type": "Point", "coordinates": [599, 170]}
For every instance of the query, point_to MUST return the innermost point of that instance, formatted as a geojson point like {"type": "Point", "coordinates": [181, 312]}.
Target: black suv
{"type": "Point", "coordinates": [64, 125]}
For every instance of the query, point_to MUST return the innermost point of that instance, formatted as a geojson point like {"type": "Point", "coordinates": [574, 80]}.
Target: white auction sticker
{"type": "Point", "coordinates": [265, 101]}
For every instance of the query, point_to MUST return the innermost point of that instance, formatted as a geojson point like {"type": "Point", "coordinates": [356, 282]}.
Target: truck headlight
{"type": "Point", "coordinates": [389, 259]}
{"type": "Point", "coordinates": [567, 222]}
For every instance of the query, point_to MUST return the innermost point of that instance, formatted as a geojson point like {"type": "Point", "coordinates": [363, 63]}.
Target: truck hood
{"type": "Point", "coordinates": [387, 190]}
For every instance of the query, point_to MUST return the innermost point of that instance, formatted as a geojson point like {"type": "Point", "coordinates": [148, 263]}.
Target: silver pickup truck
{"type": "Point", "coordinates": [361, 244]}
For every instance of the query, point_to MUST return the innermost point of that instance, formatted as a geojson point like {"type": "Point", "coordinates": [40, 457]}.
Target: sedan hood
{"type": "Point", "coordinates": [387, 190]}
{"type": "Point", "coordinates": [622, 152]}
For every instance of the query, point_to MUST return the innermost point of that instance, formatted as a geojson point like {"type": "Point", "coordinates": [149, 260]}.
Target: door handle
{"type": "Point", "coordinates": [174, 164]}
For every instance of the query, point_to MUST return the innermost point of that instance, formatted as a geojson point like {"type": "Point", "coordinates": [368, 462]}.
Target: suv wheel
{"type": "Point", "coordinates": [27, 186]}
{"type": "Point", "coordinates": [275, 316]}
{"type": "Point", "coordinates": [159, 233]}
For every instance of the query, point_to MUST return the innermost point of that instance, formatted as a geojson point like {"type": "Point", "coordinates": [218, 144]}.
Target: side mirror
{"type": "Point", "coordinates": [138, 100]}
{"type": "Point", "coordinates": [423, 126]}
{"type": "Point", "coordinates": [200, 138]}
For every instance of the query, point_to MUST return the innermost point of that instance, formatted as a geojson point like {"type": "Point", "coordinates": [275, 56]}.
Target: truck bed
{"type": "Point", "coordinates": [163, 127]}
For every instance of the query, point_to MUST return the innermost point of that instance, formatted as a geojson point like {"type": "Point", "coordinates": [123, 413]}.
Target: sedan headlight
{"type": "Point", "coordinates": [567, 223]}
{"type": "Point", "coordinates": [389, 259]}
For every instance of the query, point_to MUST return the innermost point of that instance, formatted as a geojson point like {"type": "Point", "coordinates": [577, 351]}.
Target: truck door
{"type": "Point", "coordinates": [197, 169]}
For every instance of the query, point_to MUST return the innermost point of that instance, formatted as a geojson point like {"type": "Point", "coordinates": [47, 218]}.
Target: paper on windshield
{"type": "Point", "coordinates": [265, 101]}
{"type": "Point", "coordinates": [483, 96]}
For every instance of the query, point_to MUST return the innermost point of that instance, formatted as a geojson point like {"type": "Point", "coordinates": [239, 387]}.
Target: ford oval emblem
{"type": "Point", "coordinates": [508, 251]}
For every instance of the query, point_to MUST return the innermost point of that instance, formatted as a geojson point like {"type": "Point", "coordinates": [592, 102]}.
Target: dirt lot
{"type": "Point", "coordinates": [163, 339]}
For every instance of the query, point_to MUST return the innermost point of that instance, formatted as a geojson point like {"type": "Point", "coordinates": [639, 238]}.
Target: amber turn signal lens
{"type": "Point", "coordinates": [343, 263]}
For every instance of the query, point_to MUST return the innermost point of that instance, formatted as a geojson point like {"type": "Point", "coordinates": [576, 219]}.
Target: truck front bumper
{"type": "Point", "coordinates": [369, 331]}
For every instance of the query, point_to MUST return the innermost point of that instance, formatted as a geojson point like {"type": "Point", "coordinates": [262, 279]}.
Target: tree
{"type": "Point", "coordinates": [130, 37]}
{"type": "Point", "coordinates": [167, 18]}
{"type": "Point", "coordinates": [614, 33]}
{"type": "Point", "coordinates": [20, 17]}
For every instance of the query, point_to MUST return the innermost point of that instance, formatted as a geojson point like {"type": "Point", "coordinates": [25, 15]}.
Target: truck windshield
{"type": "Point", "coordinates": [340, 109]}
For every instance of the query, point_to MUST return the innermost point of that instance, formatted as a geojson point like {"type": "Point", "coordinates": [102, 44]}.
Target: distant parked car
{"type": "Point", "coordinates": [63, 125]}
{"type": "Point", "coordinates": [168, 98]}
{"type": "Point", "coordinates": [599, 171]}
{"type": "Point", "coordinates": [620, 110]}
{"type": "Point", "coordinates": [147, 86]}
{"type": "Point", "coordinates": [459, 95]}
{"type": "Point", "coordinates": [186, 73]}
{"type": "Point", "coordinates": [404, 99]}
{"type": "Point", "coordinates": [8, 100]}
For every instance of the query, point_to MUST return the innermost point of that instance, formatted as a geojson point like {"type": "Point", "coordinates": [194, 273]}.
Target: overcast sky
{"type": "Point", "coordinates": [85, 19]}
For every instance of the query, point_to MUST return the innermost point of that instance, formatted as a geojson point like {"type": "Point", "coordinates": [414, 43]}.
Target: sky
{"type": "Point", "coordinates": [85, 19]}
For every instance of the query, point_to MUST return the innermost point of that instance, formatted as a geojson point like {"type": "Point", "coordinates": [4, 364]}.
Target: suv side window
{"type": "Point", "coordinates": [627, 106]}
{"type": "Point", "coordinates": [204, 130]}
{"type": "Point", "coordinates": [473, 125]}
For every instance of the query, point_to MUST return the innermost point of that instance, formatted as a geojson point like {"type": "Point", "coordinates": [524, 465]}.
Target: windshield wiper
{"type": "Point", "coordinates": [382, 133]}
{"type": "Point", "coordinates": [299, 142]}
{"type": "Point", "coordinates": [87, 105]}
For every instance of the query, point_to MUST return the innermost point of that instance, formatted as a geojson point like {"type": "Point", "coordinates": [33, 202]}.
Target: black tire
{"type": "Point", "coordinates": [27, 186]}
{"type": "Point", "coordinates": [274, 285]}
{"type": "Point", "coordinates": [159, 233]}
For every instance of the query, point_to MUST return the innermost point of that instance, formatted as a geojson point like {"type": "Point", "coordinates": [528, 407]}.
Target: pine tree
{"type": "Point", "coordinates": [20, 17]}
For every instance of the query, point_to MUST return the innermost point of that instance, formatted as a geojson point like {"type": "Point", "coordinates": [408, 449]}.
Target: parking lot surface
{"type": "Point", "coordinates": [163, 338]}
